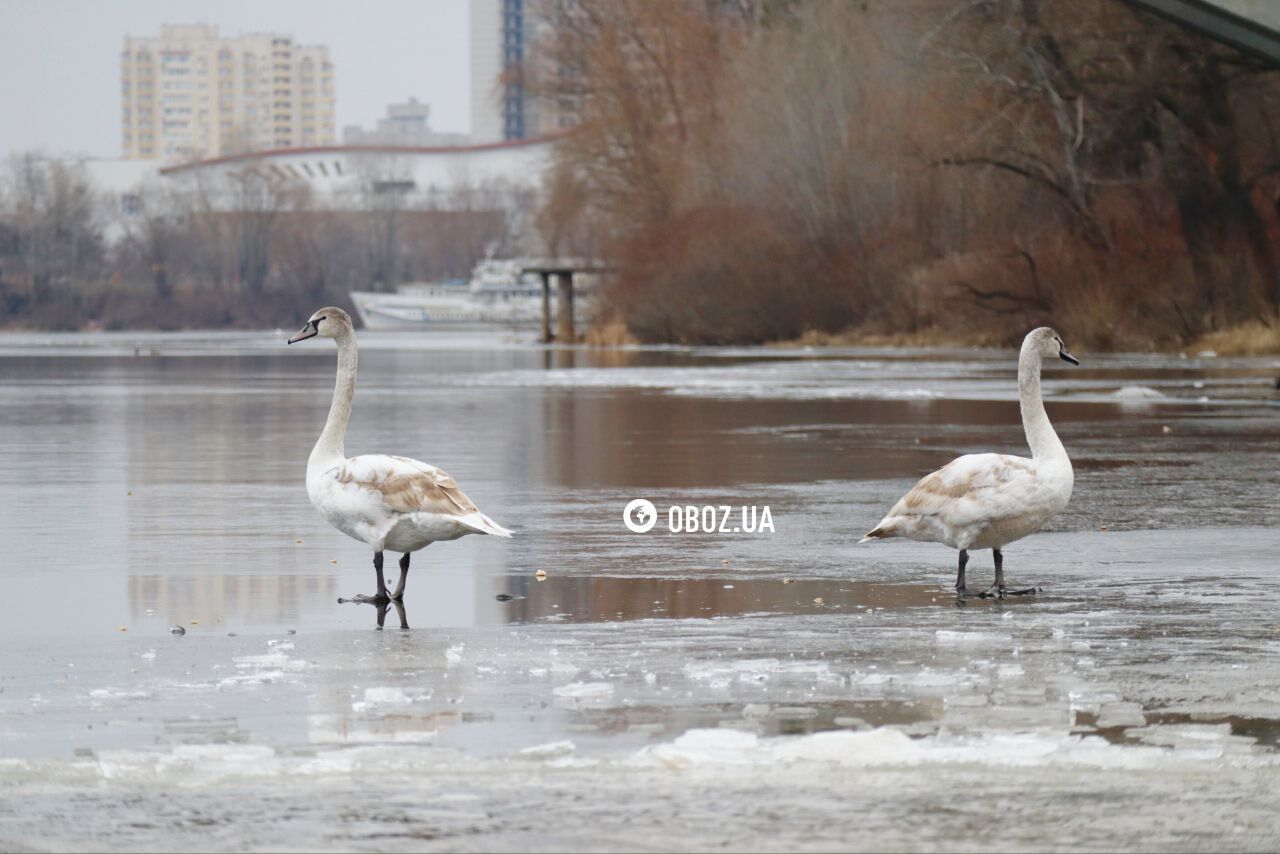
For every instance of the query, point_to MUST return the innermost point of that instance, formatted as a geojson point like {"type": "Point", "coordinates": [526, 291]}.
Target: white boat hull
{"type": "Point", "coordinates": [409, 311]}
{"type": "Point", "coordinates": [497, 294]}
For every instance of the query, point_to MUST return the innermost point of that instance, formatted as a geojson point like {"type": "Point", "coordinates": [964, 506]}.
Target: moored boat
{"type": "Point", "coordinates": [497, 294]}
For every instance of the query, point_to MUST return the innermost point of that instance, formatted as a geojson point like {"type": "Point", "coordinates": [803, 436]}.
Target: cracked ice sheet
{"type": "Point", "coordinates": [1086, 710]}
{"type": "Point", "coordinates": [706, 790]}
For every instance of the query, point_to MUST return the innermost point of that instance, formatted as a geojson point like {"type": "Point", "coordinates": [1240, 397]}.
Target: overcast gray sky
{"type": "Point", "coordinates": [60, 59]}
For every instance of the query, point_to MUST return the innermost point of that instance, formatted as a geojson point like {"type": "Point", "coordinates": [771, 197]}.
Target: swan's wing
{"type": "Point", "coordinates": [410, 486]}
{"type": "Point", "coordinates": [965, 479]}
{"type": "Point", "coordinates": [973, 489]}
{"type": "Point", "coordinates": [407, 486]}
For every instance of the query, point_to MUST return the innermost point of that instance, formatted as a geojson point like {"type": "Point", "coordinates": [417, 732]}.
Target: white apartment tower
{"type": "Point", "coordinates": [486, 71]}
{"type": "Point", "coordinates": [504, 34]}
{"type": "Point", "coordinates": [191, 94]}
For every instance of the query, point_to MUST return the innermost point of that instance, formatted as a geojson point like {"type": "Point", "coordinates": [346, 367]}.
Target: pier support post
{"type": "Point", "coordinates": [564, 308]}
{"type": "Point", "coordinates": [546, 306]}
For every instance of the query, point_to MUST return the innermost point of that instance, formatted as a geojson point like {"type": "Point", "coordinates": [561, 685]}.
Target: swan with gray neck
{"type": "Point", "coordinates": [986, 501]}
{"type": "Point", "coordinates": [388, 502]}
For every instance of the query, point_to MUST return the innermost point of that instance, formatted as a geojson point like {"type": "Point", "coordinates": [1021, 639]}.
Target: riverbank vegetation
{"type": "Point", "coordinates": [923, 170]}
{"type": "Point", "coordinates": [926, 171]}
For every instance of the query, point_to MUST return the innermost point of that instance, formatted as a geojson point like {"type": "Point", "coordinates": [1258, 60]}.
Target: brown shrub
{"type": "Point", "coordinates": [609, 331]}
{"type": "Point", "coordinates": [719, 276]}
{"type": "Point", "coordinates": [1253, 338]}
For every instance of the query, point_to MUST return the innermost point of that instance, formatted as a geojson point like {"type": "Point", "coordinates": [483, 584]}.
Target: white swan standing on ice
{"type": "Point", "coordinates": [388, 502]}
{"type": "Point", "coordinates": [986, 501]}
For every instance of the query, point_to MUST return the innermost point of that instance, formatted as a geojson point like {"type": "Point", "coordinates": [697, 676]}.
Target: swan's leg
{"type": "Point", "coordinates": [382, 614]}
{"type": "Point", "coordinates": [997, 590]}
{"type": "Point", "coordinates": [964, 559]}
{"type": "Point", "coordinates": [381, 595]}
{"type": "Point", "coordinates": [404, 620]}
{"type": "Point", "coordinates": [377, 568]}
{"type": "Point", "coordinates": [404, 573]}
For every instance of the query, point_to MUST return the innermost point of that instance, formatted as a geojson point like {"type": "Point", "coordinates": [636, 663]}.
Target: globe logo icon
{"type": "Point", "coordinates": [640, 515]}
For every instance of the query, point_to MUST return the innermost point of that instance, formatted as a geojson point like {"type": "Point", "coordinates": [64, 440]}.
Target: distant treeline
{"type": "Point", "coordinates": [241, 250]}
{"type": "Point", "coordinates": [759, 170]}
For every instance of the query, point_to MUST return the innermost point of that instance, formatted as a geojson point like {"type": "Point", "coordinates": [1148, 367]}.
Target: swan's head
{"type": "Point", "coordinates": [1047, 343]}
{"type": "Point", "coordinates": [327, 323]}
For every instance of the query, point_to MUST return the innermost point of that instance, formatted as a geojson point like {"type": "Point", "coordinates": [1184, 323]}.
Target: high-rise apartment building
{"type": "Point", "coordinates": [191, 94]}
{"type": "Point", "coordinates": [487, 62]}
{"type": "Point", "coordinates": [504, 36]}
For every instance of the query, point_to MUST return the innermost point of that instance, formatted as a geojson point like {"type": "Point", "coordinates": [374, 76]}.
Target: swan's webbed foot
{"type": "Point", "coordinates": [382, 604]}
{"type": "Point", "coordinates": [361, 599]}
{"type": "Point", "coordinates": [998, 590]}
{"type": "Point", "coordinates": [381, 597]}
{"type": "Point", "coordinates": [994, 592]}
{"type": "Point", "coordinates": [1026, 591]}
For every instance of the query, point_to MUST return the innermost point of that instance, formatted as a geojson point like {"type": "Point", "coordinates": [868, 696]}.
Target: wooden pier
{"type": "Point", "coordinates": [562, 271]}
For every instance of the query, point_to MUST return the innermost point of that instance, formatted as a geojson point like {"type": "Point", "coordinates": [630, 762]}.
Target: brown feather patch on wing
{"type": "Point", "coordinates": [420, 492]}
{"type": "Point", "coordinates": [938, 485]}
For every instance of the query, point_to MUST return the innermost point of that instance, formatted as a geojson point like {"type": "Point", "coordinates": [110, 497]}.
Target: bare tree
{"type": "Point", "coordinates": [1095, 100]}
{"type": "Point", "coordinates": [385, 189]}
{"type": "Point", "coordinates": [256, 202]}
{"type": "Point", "coordinates": [54, 222]}
{"type": "Point", "coordinates": [156, 232]}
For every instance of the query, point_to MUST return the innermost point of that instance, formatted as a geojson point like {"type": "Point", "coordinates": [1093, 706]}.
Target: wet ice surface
{"type": "Point", "coordinates": [656, 691]}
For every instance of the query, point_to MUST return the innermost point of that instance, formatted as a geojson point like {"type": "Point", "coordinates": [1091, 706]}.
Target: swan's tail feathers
{"type": "Point", "coordinates": [879, 532]}
{"type": "Point", "coordinates": [482, 524]}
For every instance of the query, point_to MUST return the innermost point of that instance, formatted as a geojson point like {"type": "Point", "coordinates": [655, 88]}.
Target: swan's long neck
{"type": "Point", "coordinates": [1044, 442]}
{"type": "Point", "coordinates": [329, 447]}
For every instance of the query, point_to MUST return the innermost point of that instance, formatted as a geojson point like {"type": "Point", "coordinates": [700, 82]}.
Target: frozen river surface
{"type": "Point", "coordinates": [660, 691]}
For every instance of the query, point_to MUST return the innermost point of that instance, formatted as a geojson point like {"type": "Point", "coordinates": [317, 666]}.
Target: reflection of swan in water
{"type": "Point", "coordinates": [984, 501]}
{"type": "Point", "coordinates": [388, 502]}
{"type": "Point", "coordinates": [382, 605]}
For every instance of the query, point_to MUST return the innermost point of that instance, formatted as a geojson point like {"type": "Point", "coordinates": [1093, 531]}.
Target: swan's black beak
{"type": "Point", "coordinates": [1065, 356]}
{"type": "Point", "coordinates": [308, 331]}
